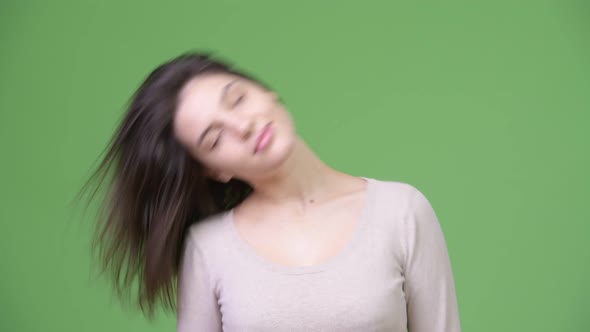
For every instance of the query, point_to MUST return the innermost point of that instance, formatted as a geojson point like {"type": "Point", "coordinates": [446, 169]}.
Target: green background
{"type": "Point", "coordinates": [484, 107]}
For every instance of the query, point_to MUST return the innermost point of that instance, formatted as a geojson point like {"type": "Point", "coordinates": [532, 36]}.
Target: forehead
{"type": "Point", "coordinates": [203, 92]}
{"type": "Point", "coordinates": [198, 100]}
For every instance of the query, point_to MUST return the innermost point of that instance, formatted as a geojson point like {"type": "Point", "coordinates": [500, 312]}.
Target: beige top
{"type": "Point", "coordinates": [394, 275]}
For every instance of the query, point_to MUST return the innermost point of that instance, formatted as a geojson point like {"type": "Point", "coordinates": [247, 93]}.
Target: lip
{"type": "Point", "coordinates": [261, 135]}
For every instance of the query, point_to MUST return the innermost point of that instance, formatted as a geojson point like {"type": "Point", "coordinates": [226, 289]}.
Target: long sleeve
{"type": "Point", "coordinates": [197, 304]}
{"type": "Point", "coordinates": [428, 279]}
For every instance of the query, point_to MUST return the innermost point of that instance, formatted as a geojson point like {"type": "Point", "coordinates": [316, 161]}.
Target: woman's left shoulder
{"type": "Point", "coordinates": [395, 190]}
{"type": "Point", "coordinates": [404, 202]}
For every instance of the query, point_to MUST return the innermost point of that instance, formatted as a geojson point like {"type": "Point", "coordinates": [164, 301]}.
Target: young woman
{"type": "Point", "coordinates": [218, 209]}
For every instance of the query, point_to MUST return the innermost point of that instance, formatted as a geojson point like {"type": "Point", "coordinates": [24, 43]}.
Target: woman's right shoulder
{"type": "Point", "coordinates": [208, 230]}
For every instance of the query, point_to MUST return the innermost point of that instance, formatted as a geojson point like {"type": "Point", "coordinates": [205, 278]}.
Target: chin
{"type": "Point", "coordinates": [275, 156]}
{"type": "Point", "coordinates": [279, 152]}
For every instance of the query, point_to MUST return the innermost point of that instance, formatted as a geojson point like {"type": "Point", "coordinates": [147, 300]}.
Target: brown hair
{"type": "Point", "coordinates": [155, 188]}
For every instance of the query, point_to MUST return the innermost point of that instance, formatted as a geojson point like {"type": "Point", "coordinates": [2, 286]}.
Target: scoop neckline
{"type": "Point", "coordinates": [246, 249]}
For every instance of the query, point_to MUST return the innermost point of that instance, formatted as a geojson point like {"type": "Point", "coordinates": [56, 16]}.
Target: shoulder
{"type": "Point", "coordinates": [402, 205]}
{"type": "Point", "coordinates": [208, 231]}
{"type": "Point", "coordinates": [396, 194]}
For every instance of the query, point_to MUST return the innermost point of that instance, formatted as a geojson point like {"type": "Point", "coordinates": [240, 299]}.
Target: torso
{"type": "Point", "coordinates": [292, 240]}
{"type": "Point", "coordinates": [363, 289]}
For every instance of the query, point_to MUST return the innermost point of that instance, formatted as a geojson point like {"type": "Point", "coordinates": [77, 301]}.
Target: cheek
{"type": "Point", "coordinates": [226, 157]}
{"type": "Point", "coordinates": [287, 122]}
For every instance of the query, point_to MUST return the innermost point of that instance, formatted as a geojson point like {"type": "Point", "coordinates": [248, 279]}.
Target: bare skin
{"type": "Point", "coordinates": [302, 212]}
{"type": "Point", "coordinates": [306, 229]}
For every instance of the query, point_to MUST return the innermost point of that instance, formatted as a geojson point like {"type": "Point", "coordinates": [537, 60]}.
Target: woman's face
{"type": "Point", "coordinates": [233, 125]}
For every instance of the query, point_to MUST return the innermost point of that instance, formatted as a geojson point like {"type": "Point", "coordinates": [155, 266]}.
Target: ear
{"type": "Point", "coordinates": [222, 177]}
{"type": "Point", "coordinates": [218, 176]}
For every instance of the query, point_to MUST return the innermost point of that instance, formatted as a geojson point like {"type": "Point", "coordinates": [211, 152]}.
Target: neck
{"type": "Point", "coordinates": [301, 179]}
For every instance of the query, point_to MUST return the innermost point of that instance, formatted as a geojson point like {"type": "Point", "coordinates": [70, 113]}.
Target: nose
{"type": "Point", "coordinates": [242, 127]}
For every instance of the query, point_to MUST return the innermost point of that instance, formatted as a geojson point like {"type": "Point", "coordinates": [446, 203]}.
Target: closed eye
{"type": "Point", "coordinates": [239, 100]}
{"type": "Point", "coordinates": [216, 142]}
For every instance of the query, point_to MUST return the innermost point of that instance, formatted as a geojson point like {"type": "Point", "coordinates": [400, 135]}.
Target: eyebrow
{"type": "Point", "coordinates": [223, 95]}
{"type": "Point", "coordinates": [225, 89]}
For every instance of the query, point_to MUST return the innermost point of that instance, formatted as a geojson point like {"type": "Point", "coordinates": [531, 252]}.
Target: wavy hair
{"type": "Point", "coordinates": [155, 190]}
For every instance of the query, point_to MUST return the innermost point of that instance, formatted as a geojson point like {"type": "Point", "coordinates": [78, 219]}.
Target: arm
{"type": "Point", "coordinates": [197, 303]}
{"type": "Point", "coordinates": [429, 286]}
